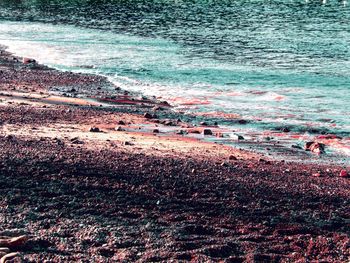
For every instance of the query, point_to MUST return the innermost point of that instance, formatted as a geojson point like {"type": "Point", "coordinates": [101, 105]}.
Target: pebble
{"type": "Point", "coordinates": [207, 132]}
{"type": "Point", "coordinates": [318, 174]}
{"type": "Point", "coordinates": [232, 157]}
{"type": "Point", "coordinates": [95, 129]}
{"type": "Point", "coordinates": [28, 60]}
{"type": "Point", "coordinates": [343, 173]}
{"type": "Point", "coordinates": [148, 115]}
{"type": "Point", "coordinates": [315, 147]}
{"type": "Point", "coordinates": [157, 108]}
{"type": "Point", "coordinates": [181, 132]}
{"type": "Point", "coordinates": [236, 137]}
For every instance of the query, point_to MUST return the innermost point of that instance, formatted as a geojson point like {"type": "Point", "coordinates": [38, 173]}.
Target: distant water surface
{"type": "Point", "coordinates": [274, 63]}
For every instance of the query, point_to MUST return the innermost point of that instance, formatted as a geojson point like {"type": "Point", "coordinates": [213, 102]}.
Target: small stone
{"type": "Point", "coordinates": [207, 132]}
{"type": "Point", "coordinates": [315, 147]}
{"type": "Point", "coordinates": [155, 131]}
{"type": "Point", "coordinates": [165, 103]}
{"type": "Point", "coordinates": [232, 157]}
{"type": "Point", "coordinates": [95, 129]}
{"type": "Point", "coordinates": [28, 61]}
{"type": "Point", "coordinates": [318, 174]}
{"type": "Point", "coordinates": [236, 137]}
{"type": "Point", "coordinates": [148, 115]}
{"type": "Point", "coordinates": [168, 123]}
{"type": "Point", "coordinates": [74, 140]}
{"type": "Point", "coordinates": [242, 122]}
{"type": "Point", "coordinates": [119, 128]}
{"type": "Point", "coordinates": [181, 132]}
{"type": "Point", "coordinates": [203, 123]}
{"type": "Point", "coordinates": [121, 122]}
{"type": "Point", "coordinates": [219, 135]}
{"type": "Point", "coordinates": [128, 143]}
{"type": "Point", "coordinates": [343, 173]}
{"type": "Point", "coordinates": [157, 108]}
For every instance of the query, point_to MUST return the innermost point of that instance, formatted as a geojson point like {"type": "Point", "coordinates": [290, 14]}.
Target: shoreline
{"type": "Point", "coordinates": [117, 183]}
{"type": "Point", "coordinates": [276, 144]}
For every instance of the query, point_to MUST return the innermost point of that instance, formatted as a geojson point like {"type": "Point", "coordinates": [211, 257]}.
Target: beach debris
{"type": "Point", "coordinates": [119, 128]}
{"type": "Point", "coordinates": [315, 147]}
{"type": "Point", "coordinates": [128, 143]}
{"type": "Point", "coordinates": [203, 123]}
{"type": "Point", "coordinates": [207, 132]}
{"type": "Point", "coordinates": [343, 173]}
{"type": "Point", "coordinates": [95, 129]}
{"type": "Point", "coordinates": [155, 131]}
{"type": "Point", "coordinates": [26, 60]}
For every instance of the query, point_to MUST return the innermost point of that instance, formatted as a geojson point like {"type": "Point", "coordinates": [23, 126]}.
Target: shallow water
{"type": "Point", "coordinates": [273, 63]}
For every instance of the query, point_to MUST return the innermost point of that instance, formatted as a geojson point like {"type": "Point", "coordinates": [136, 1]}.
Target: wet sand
{"type": "Point", "coordinates": [92, 173]}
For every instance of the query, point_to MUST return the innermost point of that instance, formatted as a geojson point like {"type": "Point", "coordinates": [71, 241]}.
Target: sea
{"type": "Point", "coordinates": [283, 66]}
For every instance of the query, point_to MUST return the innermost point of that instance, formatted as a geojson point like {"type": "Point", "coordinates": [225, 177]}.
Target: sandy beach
{"type": "Point", "coordinates": [92, 173]}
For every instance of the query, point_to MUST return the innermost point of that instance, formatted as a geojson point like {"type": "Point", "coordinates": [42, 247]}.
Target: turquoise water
{"type": "Point", "coordinates": [274, 63]}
